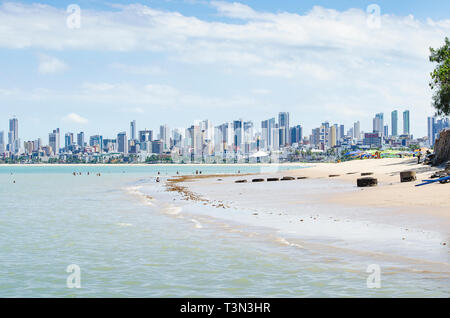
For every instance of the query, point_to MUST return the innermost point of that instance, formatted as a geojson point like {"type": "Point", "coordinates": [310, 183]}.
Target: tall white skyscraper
{"type": "Point", "coordinates": [267, 127]}
{"type": "Point", "coordinates": [13, 136]}
{"type": "Point", "coordinates": [164, 136]}
{"type": "Point", "coordinates": [357, 130]}
{"type": "Point", "coordinates": [53, 140]}
{"type": "Point", "coordinates": [133, 130]}
{"type": "Point", "coordinates": [378, 124]}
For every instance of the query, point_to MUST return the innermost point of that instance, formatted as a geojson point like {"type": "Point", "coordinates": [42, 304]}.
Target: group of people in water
{"type": "Point", "coordinates": [98, 174]}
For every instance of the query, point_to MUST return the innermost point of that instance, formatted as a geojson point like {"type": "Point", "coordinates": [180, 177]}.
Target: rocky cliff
{"type": "Point", "coordinates": [442, 147]}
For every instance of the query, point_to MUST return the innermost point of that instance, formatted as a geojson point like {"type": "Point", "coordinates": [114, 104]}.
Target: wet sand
{"type": "Point", "coordinates": [394, 219]}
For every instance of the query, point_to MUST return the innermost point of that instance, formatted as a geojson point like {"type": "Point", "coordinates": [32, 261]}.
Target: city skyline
{"type": "Point", "coordinates": [242, 137]}
{"type": "Point", "coordinates": [148, 67]}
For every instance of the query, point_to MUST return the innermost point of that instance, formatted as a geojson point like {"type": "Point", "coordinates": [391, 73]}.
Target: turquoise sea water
{"type": "Point", "coordinates": [127, 247]}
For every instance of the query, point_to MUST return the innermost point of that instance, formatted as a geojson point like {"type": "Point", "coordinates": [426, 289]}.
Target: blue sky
{"type": "Point", "coordinates": [173, 62]}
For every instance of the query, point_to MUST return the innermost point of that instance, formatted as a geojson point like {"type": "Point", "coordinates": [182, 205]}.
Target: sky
{"type": "Point", "coordinates": [174, 62]}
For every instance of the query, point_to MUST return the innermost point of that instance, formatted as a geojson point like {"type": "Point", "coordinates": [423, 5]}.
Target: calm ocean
{"type": "Point", "coordinates": [125, 246]}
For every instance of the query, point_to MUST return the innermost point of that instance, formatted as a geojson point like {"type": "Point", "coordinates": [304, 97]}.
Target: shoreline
{"type": "Point", "coordinates": [389, 219]}
{"type": "Point", "coordinates": [390, 192]}
{"type": "Point", "coordinates": [149, 165]}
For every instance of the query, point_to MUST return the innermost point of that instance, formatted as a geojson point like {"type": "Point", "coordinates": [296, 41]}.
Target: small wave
{"type": "Point", "coordinates": [124, 224]}
{"type": "Point", "coordinates": [172, 210]}
{"type": "Point", "coordinates": [285, 242]}
{"type": "Point", "coordinates": [136, 191]}
{"type": "Point", "coordinates": [198, 225]}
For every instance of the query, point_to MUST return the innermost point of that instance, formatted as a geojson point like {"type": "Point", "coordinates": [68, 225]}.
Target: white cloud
{"type": "Point", "coordinates": [75, 119]}
{"type": "Point", "coordinates": [138, 69]}
{"type": "Point", "coordinates": [49, 64]}
{"type": "Point", "coordinates": [331, 56]}
{"type": "Point", "coordinates": [261, 91]}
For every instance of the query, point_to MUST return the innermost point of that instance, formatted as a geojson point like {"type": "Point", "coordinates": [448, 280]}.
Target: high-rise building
{"type": "Point", "coordinates": [435, 126]}
{"type": "Point", "coordinates": [333, 136]}
{"type": "Point", "coordinates": [145, 135]}
{"type": "Point", "coordinates": [315, 137]}
{"type": "Point", "coordinates": [283, 124]}
{"type": "Point", "coordinates": [177, 137]}
{"type": "Point", "coordinates": [13, 136]}
{"type": "Point", "coordinates": [325, 132]}
{"type": "Point", "coordinates": [164, 136]}
{"type": "Point", "coordinates": [122, 143]}
{"type": "Point", "coordinates": [133, 130]}
{"type": "Point", "coordinates": [238, 136]}
{"type": "Point", "coordinates": [80, 140]}
{"type": "Point", "coordinates": [406, 126]}
{"type": "Point", "coordinates": [53, 140]}
{"type": "Point", "coordinates": [341, 131]}
{"type": "Point", "coordinates": [394, 123]}
{"type": "Point", "coordinates": [68, 141]}
{"type": "Point", "coordinates": [195, 140]}
{"type": "Point", "coordinates": [296, 134]}
{"type": "Point", "coordinates": [430, 130]}
{"type": "Point", "coordinates": [357, 130]}
{"type": "Point", "coordinates": [37, 144]}
{"type": "Point", "coordinates": [378, 124]}
{"type": "Point", "coordinates": [96, 140]}
{"type": "Point", "coordinates": [267, 127]}
{"type": "Point", "coordinates": [2, 142]}
{"type": "Point", "coordinates": [386, 131]}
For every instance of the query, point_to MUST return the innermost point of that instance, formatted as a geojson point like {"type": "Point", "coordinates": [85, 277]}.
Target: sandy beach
{"type": "Point", "coordinates": [390, 192]}
{"type": "Point", "coordinates": [393, 220]}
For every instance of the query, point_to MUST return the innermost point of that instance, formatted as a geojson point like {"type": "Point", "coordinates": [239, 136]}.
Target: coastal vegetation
{"type": "Point", "coordinates": [440, 78]}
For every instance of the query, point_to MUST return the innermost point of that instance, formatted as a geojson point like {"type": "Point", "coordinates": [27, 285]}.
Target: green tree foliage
{"type": "Point", "coordinates": [440, 78]}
